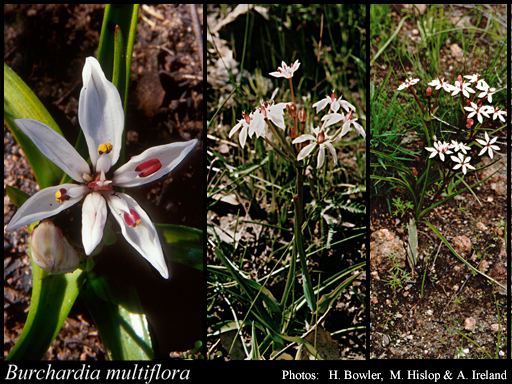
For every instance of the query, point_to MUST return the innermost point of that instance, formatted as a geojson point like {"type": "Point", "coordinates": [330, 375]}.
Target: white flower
{"type": "Point", "coordinates": [267, 110]}
{"type": "Point", "coordinates": [440, 148]}
{"type": "Point", "coordinates": [351, 121]}
{"type": "Point", "coordinates": [462, 162]}
{"type": "Point", "coordinates": [459, 147]}
{"type": "Point", "coordinates": [408, 83]}
{"type": "Point", "coordinates": [101, 117]}
{"type": "Point", "coordinates": [488, 145]}
{"type": "Point", "coordinates": [440, 83]}
{"type": "Point", "coordinates": [286, 71]}
{"type": "Point", "coordinates": [480, 111]}
{"type": "Point", "coordinates": [461, 86]}
{"type": "Point", "coordinates": [322, 140]}
{"type": "Point", "coordinates": [334, 103]}
{"type": "Point", "coordinates": [487, 91]}
{"type": "Point", "coordinates": [500, 114]}
{"type": "Point", "coordinates": [472, 78]}
{"type": "Point", "coordinates": [243, 124]}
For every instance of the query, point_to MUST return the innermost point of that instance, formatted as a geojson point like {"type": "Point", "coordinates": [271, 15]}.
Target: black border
{"type": "Point", "coordinates": [509, 200]}
{"type": "Point", "coordinates": [368, 185]}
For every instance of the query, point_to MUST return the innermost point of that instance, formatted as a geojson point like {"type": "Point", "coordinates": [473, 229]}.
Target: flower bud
{"type": "Point", "coordinates": [292, 110]}
{"type": "Point", "coordinates": [429, 91]}
{"type": "Point", "coordinates": [302, 115]}
{"type": "Point", "coordinates": [469, 123]}
{"type": "Point", "coordinates": [51, 250]}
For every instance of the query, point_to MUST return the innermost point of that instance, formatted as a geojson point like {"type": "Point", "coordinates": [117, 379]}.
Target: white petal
{"type": "Point", "coordinates": [333, 119]}
{"type": "Point", "coordinates": [143, 237]}
{"type": "Point", "coordinates": [94, 216]}
{"type": "Point", "coordinates": [169, 155]}
{"type": "Point", "coordinates": [482, 151]}
{"type": "Point", "coordinates": [319, 105]}
{"type": "Point", "coordinates": [276, 114]}
{"type": "Point", "coordinates": [320, 157]}
{"type": "Point", "coordinates": [331, 149]}
{"type": "Point", "coordinates": [304, 152]}
{"type": "Point", "coordinates": [257, 125]}
{"type": "Point", "coordinates": [242, 137]}
{"type": "Point", "coordinates": [43, 205]}
{"type": "Point", "coordinates": [235, 128]}
{"type": "Point", "coordinates": [359, 128]}
{"type": "Point", "coordinates": [55, 147]}
{"type": "Point", "coordinates": [345, 128]}
{"type": "Point", "coordinates": [303, 138]}
{"type": "Point", "coordinates": [335, 105]}
{"type": "Point", "coordinates": [100, 111]}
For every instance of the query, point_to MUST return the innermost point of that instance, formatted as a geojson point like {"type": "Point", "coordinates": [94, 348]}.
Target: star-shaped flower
{"type": "Point", "coordinates": [408, 83]}
{"type": "Point", "coordinates": [480, 111]}
{"type": "Point", "coordinates": [461, 86]}
{"type": "Point", "coordinates": [440, 83]}
{"type": "Point", "coordinates": [488, 145]}
{"type": "Point", "coordinates": [440, 148]}
{"type": "Point", "coordinates": [472, 78]}
{"type": "Point", "coordinates": [101, 117]}
{"type": "Point", "coordinates": [459, 147]}
{"type": "Point", "coordinates": [486, 90]}
{"type": "Point", "coordinates": [334, 103]}
{"type": "Point", "coordinates": [321, 140]}
{"type": "Point", "coordinates": [499, 114]}
{"type": "Point", "coordinates": [242, 125]}
{"type": "Point", "coordinates": [286, 71]}
{"type": "Point", "coordinates": [462, 162]}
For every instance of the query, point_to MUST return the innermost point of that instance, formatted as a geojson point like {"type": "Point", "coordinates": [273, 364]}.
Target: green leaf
{"type": "Point", "coordinates": [124, 332]}
{"type": "Point", "coordinates": [119, 26]}
{"type": "Point", "coordinates": [462, 259]}
{"type": "Point", "coordinates": [52, 298]}
{"type": "Point", "coordinates": [183, 244]}
{"type": "Point", "coordinates": [17, 196]}
{"type": "Point", "coordinates": [20, 102]}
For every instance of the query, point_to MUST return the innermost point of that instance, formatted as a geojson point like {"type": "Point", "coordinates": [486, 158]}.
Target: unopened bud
{"type": "Point", "coordinates": [51, 250]}
{"type": "Point", "coordinates": [469, 123]}
{"type": "Point", "coordinates": [292, 110]}
{"type": "Point", "coordinates": [429, 91]}
{"type": "Point", "coordinates": [302, 115]}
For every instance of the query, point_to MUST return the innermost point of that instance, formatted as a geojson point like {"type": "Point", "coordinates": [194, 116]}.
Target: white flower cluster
{"type": "Point", "coordinates": [474, 91]}
{"type": "Point", "coordinates": [340, 114]}
{"type": "Point", "coordinates": [340, 111]}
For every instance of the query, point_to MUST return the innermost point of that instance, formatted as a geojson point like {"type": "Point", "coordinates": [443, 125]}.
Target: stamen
{"type": "Point", "coordinates": [148, 167]}
{"type": "Point", "coordinates": [104, 148]}
{"type": "Point", "coordinates": [132, 218]}
{"type": "Point", "coordinates": [61, 195]}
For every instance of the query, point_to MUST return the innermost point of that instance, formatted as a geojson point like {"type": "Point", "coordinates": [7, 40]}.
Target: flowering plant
{"type": "Point", "coordinates": [461, 126]}
{"type": "Point", "coordinates": [69, 251]}
{"type": "Point", "coordinates": [302, 138]}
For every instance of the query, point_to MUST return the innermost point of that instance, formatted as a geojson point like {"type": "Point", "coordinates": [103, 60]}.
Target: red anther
{"type": "Point", "coordinates": [429, 91]}
{"type": "Point", "coordinates": [148, 167]}
{"type": "Point", "coordinates": [333, 96]}
{"type": "Point", "coordinates": [459, 79]}
{"type": "Point", "coordinates": [132, 218]}
{"type": "Point", "coordinates": [469, 123]}
{"type": "Point", "coordinates": [135, 215]}
{"type": "Point", "coordinates": [349, 115]}
{"type": "Point", "coordinates": [246, 117]}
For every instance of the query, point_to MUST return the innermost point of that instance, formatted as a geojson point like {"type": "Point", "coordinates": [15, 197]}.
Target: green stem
{"type": "Point", "coordinates": [299, 240]}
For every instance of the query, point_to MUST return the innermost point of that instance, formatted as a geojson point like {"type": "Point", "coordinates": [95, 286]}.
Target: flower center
{"type": "Point", "coordinates": [132, 218]}
{"type": "Point", "coordinates": [320, 138]}
{"type": "Point", "coordinates": [148, 167]}
{"type": "Point", "coordinates": [61, 195]}
{"type": "Point", "coordinates": [104, 148]}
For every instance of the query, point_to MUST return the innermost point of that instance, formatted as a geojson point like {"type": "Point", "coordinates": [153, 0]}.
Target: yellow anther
{"type": "Point", "coordinates": [104, 148]}
{"type": "Point", "coordinates": [61, 195]}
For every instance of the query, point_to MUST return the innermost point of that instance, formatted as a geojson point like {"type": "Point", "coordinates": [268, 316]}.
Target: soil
{"type": "Point", "coordinates": [460, 314]}
{"type": "Point", "coordinates": [46, 45]}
